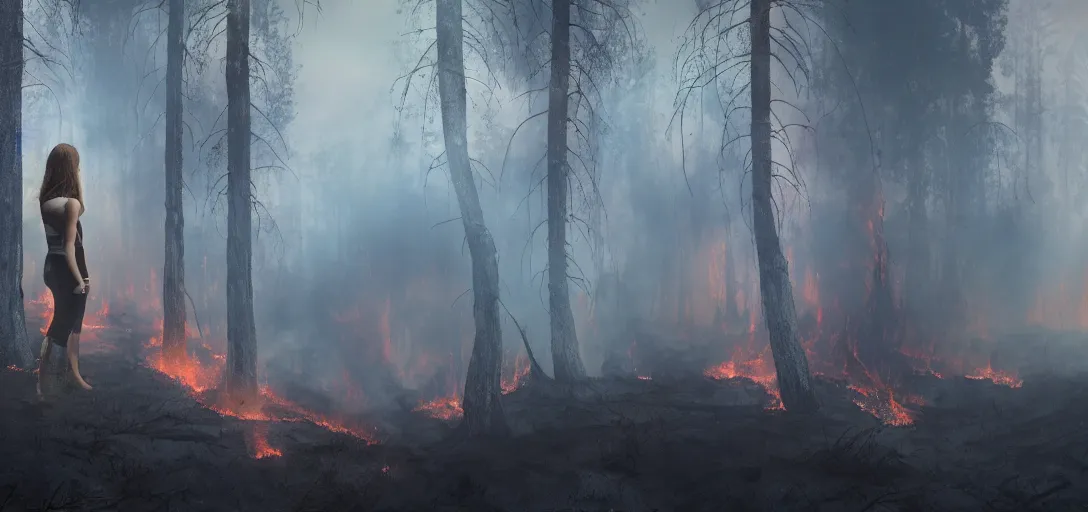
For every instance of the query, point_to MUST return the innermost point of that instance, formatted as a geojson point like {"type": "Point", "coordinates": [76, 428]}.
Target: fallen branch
{"type": "Point", "coordinates": [534, 367]}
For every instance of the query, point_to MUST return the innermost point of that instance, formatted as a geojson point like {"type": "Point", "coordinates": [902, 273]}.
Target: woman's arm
{"type": "Point", "coordinates": [81, 257]}
{"type": "Point", "coordinates": [71, 218]}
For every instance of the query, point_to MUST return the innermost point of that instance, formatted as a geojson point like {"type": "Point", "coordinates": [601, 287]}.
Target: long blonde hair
{"type": "Point", "coordinates": [62, 176]}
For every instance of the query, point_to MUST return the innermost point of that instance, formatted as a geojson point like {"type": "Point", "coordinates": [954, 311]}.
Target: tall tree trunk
{"type": "Point", "coordinates": [790, 361]}
{"type": "Point", "coordinates": [241, 378]}
{"type": "Point", "coordinates": [173, 275]}
{"type": "Point", "coordinates": [566, 356]}
{"type": "Point", "coordinates": [483, 386]}
{"type": "Point", "coordinates": [14, 342]}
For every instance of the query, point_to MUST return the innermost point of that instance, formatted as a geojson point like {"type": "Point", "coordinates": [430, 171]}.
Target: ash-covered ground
{"type": "Point", "coordinates": [142, 441]}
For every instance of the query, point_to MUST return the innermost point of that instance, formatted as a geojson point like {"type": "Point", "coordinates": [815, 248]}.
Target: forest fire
{"type": "Point", "coordinates": [446, 408]}
{"type": "Point", "coordinates": [864, 290]}
{"type": "Point", "coordinates": [758, 370]}
{"type": "Point", "coordinates": [257, 441]}
{"type": "Point", "coordinates": [93, 322]}
{"type": "Point", "coordinates": [884, 406]}
{"type": "Point", "coordinates": [449, 407]}
{"type": "Point", "coordinates": [203, 379]}
{"type": "Point", "coordinates": [202, 372]}
{"type": "Point", "coordinates": [996, 376]}
{"type": "Point", "coordinates": [833, 348]}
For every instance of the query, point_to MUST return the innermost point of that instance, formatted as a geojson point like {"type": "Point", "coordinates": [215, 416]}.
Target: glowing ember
{"type": "Point", "coordinates": [997, 377]}
{"type": "Point", "coordinates": [190, 373]}
{"type": "Point", "coordinates": [513, 381]}
{"type": "Point", "coordinates": [884, 406]}
{"type": "Point", "coordinates": [200, 379]}
{"type": "Point", "coordinates": [449, 408]}
{"type": "Point", "coordinates": [754, 370]}
{"type": "Point", "coordinates": [446, 408]}
{"type": "Point", "coordinates": [257, 441]}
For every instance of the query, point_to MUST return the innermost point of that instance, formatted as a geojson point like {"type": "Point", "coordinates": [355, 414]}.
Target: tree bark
{"type": "Point", "coordinates": [482, 404]}
{"type": "Point", "coordinates": [241, 378]}
{"type": "Point", "coordinates": [15, 346]}
{"type": "Point", "coordinates": [173, 275]}
{"type": "Point", "coordinates": [790, 361]}
{"type": "Point", "coordinates": [566, 356]}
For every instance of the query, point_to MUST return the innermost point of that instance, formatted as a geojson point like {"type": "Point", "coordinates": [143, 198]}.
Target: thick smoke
{"type": "Point", "coordinates": [361, 272]}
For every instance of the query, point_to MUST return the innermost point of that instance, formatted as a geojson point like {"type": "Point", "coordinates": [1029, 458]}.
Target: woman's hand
{"type": "Point", "coordinates": [81, 289]}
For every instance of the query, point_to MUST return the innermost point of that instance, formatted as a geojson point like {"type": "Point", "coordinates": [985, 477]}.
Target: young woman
{"type": "Point", "coordinates": [61, 201]}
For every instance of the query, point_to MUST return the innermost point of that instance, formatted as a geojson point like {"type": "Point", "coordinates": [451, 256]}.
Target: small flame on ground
{"type": "Point", "coordinates": [199, 379]}
{"type": "Point", "coordinates": [884, 406]}
{"type": "Point", "coordinates": [754, 370]}
{"type": "Point", "coordinates": [521, 369]}
{"type": "Point", "coordinates": [446, 408]}
{"type": "Point", "coordinates": [257, 441]}
{"type": "Point", "coordinates": [449, 407]}
{"type": "Point", "coordinates": [998, 377]}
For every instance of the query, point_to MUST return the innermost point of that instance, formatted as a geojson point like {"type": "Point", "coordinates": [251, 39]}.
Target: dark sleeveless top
{"type": "Point", "coordinates": [53, 219]}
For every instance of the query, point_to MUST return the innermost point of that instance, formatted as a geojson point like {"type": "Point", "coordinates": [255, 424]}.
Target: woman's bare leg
{"type": "Point", "coordinates": [73, 360]}
{"type": "Point", "coordinates": [47, 346]}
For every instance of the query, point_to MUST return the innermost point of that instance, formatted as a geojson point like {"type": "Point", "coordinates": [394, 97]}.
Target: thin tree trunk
{"type": "Point", "coordinates": [790, 361]}
{"type": "Point", "coordinates": [173, 276]}
{"type": "Point", "coordinates": [241, 379]}
{"type": "Point", "coordinates": [482, 402]}
{"type": "Point", "coordinates": [14, 342]}
{"type": "Point", "coordinates": [566, 356]}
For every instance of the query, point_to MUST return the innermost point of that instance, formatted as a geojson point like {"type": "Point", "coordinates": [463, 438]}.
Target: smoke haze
{"type": "Point", "coordinates": [360, 266]}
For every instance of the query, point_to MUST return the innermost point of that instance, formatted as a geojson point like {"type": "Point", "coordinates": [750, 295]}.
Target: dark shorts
{"type": "Point", "coordinates": [68, 307]}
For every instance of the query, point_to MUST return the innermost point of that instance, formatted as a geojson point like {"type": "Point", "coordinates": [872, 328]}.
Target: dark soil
{"type": "Point", "coordinates": [138, 442]}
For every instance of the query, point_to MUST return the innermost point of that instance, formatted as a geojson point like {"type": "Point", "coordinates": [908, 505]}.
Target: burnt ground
{"type": "Point", "coordinates": [139, 442]}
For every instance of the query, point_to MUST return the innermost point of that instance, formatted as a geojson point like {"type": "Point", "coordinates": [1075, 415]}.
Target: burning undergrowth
{"type": "Point", "coordinates": [853, 323]}
{"type": "Point", "coordinates": [382, 365]}
{"type": "Point", "coordinates": [400, 345]}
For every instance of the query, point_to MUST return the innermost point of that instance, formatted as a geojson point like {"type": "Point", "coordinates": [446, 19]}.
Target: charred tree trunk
{"type": "Point", "coordinates": [566, 355]}
{"type": "Point", "coordinates": [483, 385]}
{"type": "Point", "coordinates": [14, 341]}
{"type": "Point", "coordinates": [790, 361]}
{"type": "Point", "coordinates": [173, 275]}
{"type": "Point", "coordinates": [241, 378]}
